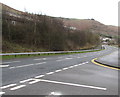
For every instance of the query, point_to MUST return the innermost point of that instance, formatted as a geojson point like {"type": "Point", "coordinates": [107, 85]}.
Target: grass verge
{"type": "Point", "coordinates": [33, 55]}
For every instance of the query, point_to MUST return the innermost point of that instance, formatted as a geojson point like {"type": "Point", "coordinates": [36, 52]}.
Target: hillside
{"type": "Point", "coordinates": [23, 32]}
{"type": "Point", "coordinates": [93, 25]}
{"type": "Point", "coordinates": [80, 24]}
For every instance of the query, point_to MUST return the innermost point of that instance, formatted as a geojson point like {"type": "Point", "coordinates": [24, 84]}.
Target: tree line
{"type": "Point", "coordinates": [45, 32]}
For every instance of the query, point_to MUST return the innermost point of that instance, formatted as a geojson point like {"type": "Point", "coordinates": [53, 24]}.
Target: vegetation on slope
{"type": "Point", "coordinates": [42, 33]}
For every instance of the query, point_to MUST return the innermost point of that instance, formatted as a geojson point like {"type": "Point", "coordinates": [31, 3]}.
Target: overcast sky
{"type": "Point", "coordinates": [104, 11]}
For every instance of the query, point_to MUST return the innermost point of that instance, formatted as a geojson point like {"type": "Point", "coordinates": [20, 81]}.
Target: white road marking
{"type": "Point", "coordinates": [41, 59]}
{"type": "Point", "coordinates": [44, 58]}
{"type": "Point", "coordinates": [37, 59]}
{"type": "Point", "coordinates": [75, 65]}
{"type": "Point", "coordinates": [11, 67]}
{"type": "Point", "coordinates": [12, 62]}
{"type": "Point", "coordinates": [84, 63]}
{"type": "Point", "coordinates": [58, 70]}
{"type": "Point", "coordinates": [22, 66]}
{"type": "Point", "coordinates": [39, 76]}
{"type": "Point", "coordinates": [71, 67]}
{"type": "Point", "coordinates": [17, 87]}
{"type": "Point", "coordinates": [1, 93]}
{"type": "Point", "coordinates": [50, 73]}
{"type": "Point", "coordinates": [68, 58]}
{"type": "Point", "coordinates": [55, 93]}
{"type": "Point", "coordinates": [72, 84]}
{"type": "Point", "coordinates": [7, 86]}
{"type": "Point", "coordinates": [64, 59]}
{"type": "Point", "coordinates": [40, 63]}
{"type": "Point", "coordinates": [26, 80]}
{"type": "Point", "coordinates": [26, 65]}
{"type": "Point", "coordinates": [3, 66]}
{"type": "Point", "coordinates": [65, 68]}
{"type": "Point", "coordinates": [35, 81]}
{"type": "Point", "coordinates": [60, 60]}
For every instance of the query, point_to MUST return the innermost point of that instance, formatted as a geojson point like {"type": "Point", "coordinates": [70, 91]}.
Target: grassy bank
{"type": "Point", "coordinates": [33, 55]}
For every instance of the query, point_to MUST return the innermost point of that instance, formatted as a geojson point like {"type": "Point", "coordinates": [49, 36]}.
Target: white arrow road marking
{"type": "Point", "coordinates": [72, 84]}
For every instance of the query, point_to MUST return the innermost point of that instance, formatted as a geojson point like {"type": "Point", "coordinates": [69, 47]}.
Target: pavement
{"type": "Point", "coordinates": [111, 59]}
{"type": "Point", "coordinates": [72, 74]}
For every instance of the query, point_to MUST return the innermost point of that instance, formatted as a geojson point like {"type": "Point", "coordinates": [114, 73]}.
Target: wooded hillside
{"type": "Point", "coordinates": [34, 32]}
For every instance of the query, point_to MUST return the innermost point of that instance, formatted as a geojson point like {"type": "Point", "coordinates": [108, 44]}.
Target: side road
{"type": "Point", "coordinates": [110, 60]}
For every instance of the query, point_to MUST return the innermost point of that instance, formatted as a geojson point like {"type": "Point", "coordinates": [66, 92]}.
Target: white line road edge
{"type": "Point", "coordinates": [72, 84]}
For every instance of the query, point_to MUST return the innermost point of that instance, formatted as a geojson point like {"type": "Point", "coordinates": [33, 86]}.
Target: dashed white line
{"type": "Point", "coordinates": [68, 58]}
{"type": "Point", "coordinates": [58, 70]}
{"type": "Point", "coordinates": [50, 73]}
{"type": "Point", "coordinates": [26, 65]}
{"type": "Point", "coordinates": [71, 67]}
{"type": "Point", "coordinates": [37, 59]}
{"type": "Point", "coordinates": [3, 66]}
{"type": "Point", "coordinates": [44, 58]}
{"type": "Point", "coordinates": [21, 66]}
{"type": "Point", "coordinates": [39, 76]}
{"type": "Point", "coordinates": [40, 59]}
{"type": "Point", "coordinates": [26, 80]}
{"type": "Point", "coordinates": [40, 63]}
{"type": "Point", "coordinates": [76, 65]}
{"type": "Point", "coordinates": [35, 81]}
{"type": "Point", "coordinates": [84, 63]}
{"type": "Point", "coordinates": [64, 59]}
{"type": "Point", "coordinates": [65, 68]}
{"type": "Point", "coordinates": [7, 86]}
{"type": "Point", "coordinates": [72, 84]}
{"type": "Point", "coordinates": [60, 60]}
{"type": "Point", "coordinates": [12, 62]}
{"type": "Point", "coordinates": [1, 93]}
{"type": "Point", "coordinates": [17, 87]}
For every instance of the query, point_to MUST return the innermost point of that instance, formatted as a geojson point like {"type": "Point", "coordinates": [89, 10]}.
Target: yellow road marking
{"type": "Point", "coordinates": [93, 61]}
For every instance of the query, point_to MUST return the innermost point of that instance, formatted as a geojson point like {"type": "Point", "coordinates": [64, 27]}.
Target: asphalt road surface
{"type": "Point", "coordinates": [73, 74]}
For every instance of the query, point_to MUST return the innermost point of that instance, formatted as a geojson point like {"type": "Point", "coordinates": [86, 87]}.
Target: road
{"type": "Point", "coordinates": [73, 74]}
